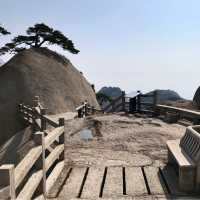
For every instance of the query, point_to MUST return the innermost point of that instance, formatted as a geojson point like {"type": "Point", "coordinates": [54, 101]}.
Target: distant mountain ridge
{"type": "Point", "coordinates": [163, 95]}
{"type": "Point", "coordinates": [112, 92]}
{"type": "Point", "coordinates": [166, 95]}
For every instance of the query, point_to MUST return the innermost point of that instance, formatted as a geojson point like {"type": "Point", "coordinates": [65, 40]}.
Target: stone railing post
{"type": "Point", "coordinates": [79, 113]}
{"type": "Point", "coordinates": [62, 137]}
{"type": "Point", "coordinates": [36, 101]}
{"type": "Point", "coordinates": [7, 178]}
{"type": "Point", "coordinates": [139, 102]}
{"type": "Point", "coordinates": [123, 101]}
{"type": "Point", "coordinates": [85, 108]}
{"type": "Point", "coordinates": [40, 140]}
{"type": "Point", "coordinates": [155, 99]}
{"type": "Point", "coordinates": [43, 120]}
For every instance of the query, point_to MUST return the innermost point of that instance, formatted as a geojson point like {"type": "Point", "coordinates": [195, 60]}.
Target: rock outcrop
{"type": "Point", "coordinates": [166, 95]}
{"type": "Point", "coordinates": [44, 73]}
{"type": "Point", "coordinates": [112, 92]}
{"type": "Point", "coordinates": [196, 98]}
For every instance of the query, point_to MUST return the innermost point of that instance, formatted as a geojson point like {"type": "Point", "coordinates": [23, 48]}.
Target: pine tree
{"type": "Point", "coordinates": [3, 31]}
{"type": "Point", "coordinates": [37, 36]}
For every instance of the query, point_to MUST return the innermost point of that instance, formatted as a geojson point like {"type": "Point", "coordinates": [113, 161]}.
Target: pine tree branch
{"type": "Point", "coordinates": [41, 43]}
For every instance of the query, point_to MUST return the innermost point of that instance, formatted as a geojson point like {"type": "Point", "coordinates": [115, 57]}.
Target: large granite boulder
{"type": "Point", "coordinates": [44, 73]}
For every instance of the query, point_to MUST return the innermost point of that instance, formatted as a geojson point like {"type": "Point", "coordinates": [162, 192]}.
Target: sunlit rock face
{"type": "Point", "coordinates": [44, 73]}
{"type": "Point", "coordinates": [196, 99]}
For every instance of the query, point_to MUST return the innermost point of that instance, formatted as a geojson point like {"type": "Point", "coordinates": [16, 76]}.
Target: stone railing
{"type": "Point", "coordinates": [29, 179]}
{"type": "Point", "coordinates": [85, 110]}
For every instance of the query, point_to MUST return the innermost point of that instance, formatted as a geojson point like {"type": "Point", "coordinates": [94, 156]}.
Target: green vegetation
{"type": "Point", "coordinates": [37, 36]}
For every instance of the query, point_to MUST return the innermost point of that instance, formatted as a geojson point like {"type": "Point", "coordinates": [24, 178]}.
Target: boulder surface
{"type": "Point", "coordinates": [44, 73]}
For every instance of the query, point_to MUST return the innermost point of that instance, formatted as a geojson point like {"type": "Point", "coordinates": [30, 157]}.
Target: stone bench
{"type": "Point", "coordinates": [184, 154]}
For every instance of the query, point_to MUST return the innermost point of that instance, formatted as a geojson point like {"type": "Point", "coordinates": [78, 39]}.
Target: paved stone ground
{"type": "Point", "coordinates": [120, 140]}
{"type": "Point", "coordinates": [124, 159]}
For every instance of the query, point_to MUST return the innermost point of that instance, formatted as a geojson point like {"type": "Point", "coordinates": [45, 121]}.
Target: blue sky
{"type": "Point", "coordinates": [133, 44]}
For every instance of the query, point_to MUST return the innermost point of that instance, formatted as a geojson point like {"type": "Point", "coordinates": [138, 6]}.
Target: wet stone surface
{"type": "Point", "coordinates": [116, 140]}
{"type": "Point", "coordinates": [86, 134]}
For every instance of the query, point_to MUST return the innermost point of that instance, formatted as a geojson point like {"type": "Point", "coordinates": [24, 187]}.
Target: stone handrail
{"type": "Point", "coordinates": [23, 168]}
{"type": "Point", "coordinates": [21, 182]}
{"type": "Point", "coordinates": [36, 116]}
{"type": "Point", "coordinates": [85, 109]}
{"type": "Point", "coordinates": [183, 113]}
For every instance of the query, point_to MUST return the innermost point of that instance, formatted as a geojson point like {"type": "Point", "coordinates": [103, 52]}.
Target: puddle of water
{"type": "Point", "coordinates": [86, 134]}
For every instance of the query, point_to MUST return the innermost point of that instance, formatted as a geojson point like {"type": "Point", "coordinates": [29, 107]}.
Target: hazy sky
{"type": "Point", "coordinates": [133, 44]}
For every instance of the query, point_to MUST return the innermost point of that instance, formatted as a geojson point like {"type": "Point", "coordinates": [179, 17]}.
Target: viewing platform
{"type": "Point", "coordinates": [99, 156]}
